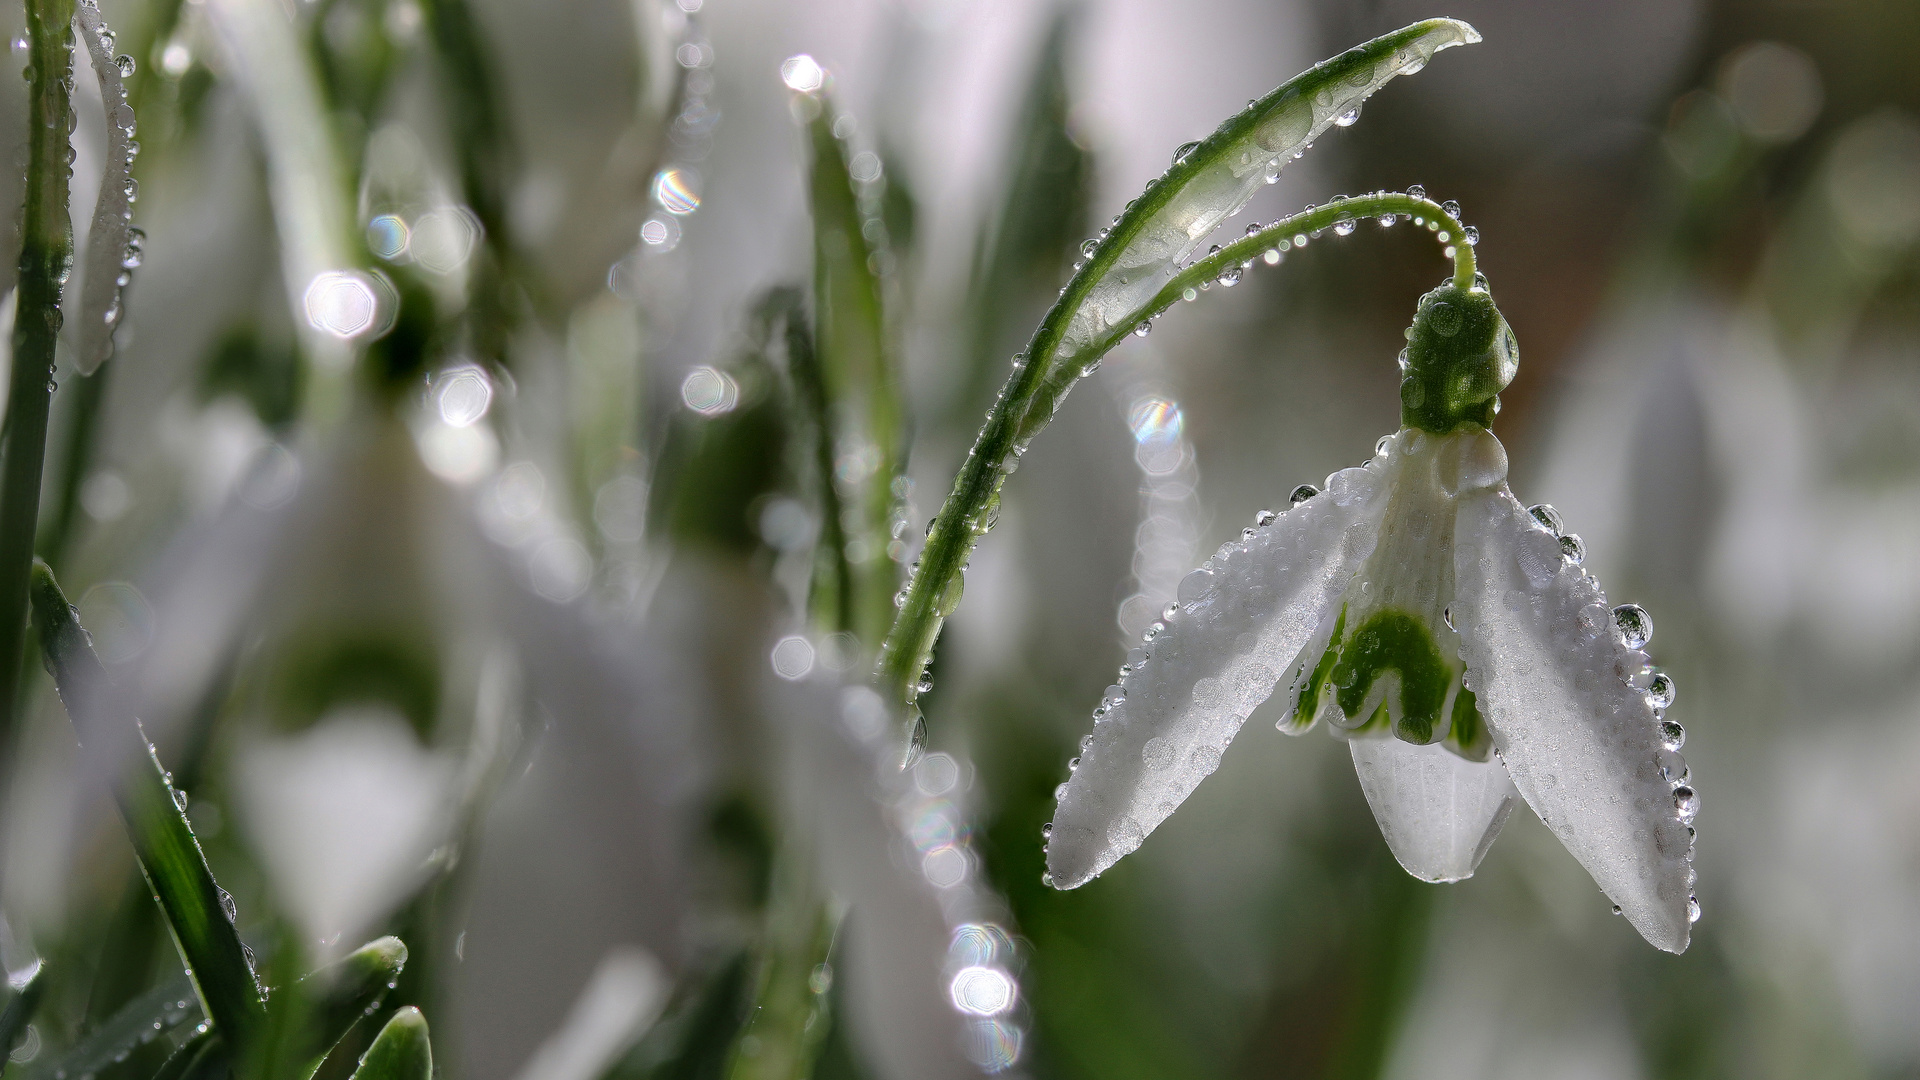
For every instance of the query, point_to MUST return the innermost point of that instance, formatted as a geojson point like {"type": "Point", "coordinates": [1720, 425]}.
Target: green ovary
{"type": "Point", "coordinates": [1397, 641]}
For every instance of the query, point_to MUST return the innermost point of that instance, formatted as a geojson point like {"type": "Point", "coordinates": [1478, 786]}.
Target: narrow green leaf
{"type": "Point", "coordinates": [202, 1055]}
{"type": "Point", "coordinates": [23, 997]}
{"type": "Point", "coordinates": [401, 1051]}
{"type": "Point", "coordinates": [163, 840]}
{"type": "Point", "coordinates": [1130, 274]}
{"type": "Point", "coordinates": [830, 597]}
{"type": "Point", "coordinates": [355, 985]}
{"type": "Point", "coordinates": [857, 370]}
{"type": "Point", "coordinates": [789, 1020]}
{"type": "Point", "coordinates": [157, 1014]}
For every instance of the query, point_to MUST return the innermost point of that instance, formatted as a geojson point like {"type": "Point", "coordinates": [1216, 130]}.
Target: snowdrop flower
{"type": "Point", "coordinates": [1444, 629]}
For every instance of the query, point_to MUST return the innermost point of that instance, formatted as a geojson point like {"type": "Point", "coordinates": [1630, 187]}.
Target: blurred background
{"type": "Point", "coordinates": [495, 643]}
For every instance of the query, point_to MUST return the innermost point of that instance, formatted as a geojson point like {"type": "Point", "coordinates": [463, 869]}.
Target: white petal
{"type": "Point", "coordinates": [1217, 659]}
{"type": "Point", "coordinates": [1438, 811]}
{"type": "Point", "coordinates": [1580, 741]}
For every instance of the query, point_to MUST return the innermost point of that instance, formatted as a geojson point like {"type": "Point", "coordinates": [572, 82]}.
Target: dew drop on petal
{"type": "Point", "coordinates": [1264, 518]}
{"type": "Point", "coordinates": [1693, 909]}
{"type": "Point", "coordinates": [1195, 585]}
{"type": "Point", "coordinates": [1661, 690]}
{"type": "Point", "coordinates": [1672, 735]}
{"type": "Point", "coordinates": [1686, 803]}
{"type": "Point", "coordinates": [1302, 494]}
{"type": "Point", "coordinates": [1573, 548]}
{"type": "Point", "coordinates": [1548, 517]}
{"type": "Point", "coordinates": [1634, 624]}
{"type": "Point", "coordinates": [1348, 118]}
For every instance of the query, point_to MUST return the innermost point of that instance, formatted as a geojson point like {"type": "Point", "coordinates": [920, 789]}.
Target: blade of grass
{"type": "Point", "coordinates": [23, 998]}
{"type": "Point", "coordinates": [789, 1019]}
{"type": "Point", "coordinates": [857, 373]}
{"type": "Point", "coordinates": [402, 1050]}
{"type": "Point", "coordinates": [158, 1013]}
{"type": "Point", "coordinates": [1131, 274]}
{"type": "Point", "coordinates": [194, 904]}
{"type": "Point", "coordinates": [199, 1056]}
{"type": "Point", "coordinates": [830, 595]}
{"type": "Point", "coordinates": [46, 253]}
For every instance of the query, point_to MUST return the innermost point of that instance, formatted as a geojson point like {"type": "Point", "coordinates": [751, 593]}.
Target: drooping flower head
{"type": "Point", "coordinates": [1445, 630]}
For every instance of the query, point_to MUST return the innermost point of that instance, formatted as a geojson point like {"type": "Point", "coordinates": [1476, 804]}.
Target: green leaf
{"type": "Point", "coordinates": [401, 1051]}
{"type": "Point", "coordinates": [830, 595]}
{"type": "Point", "coordinates": [352, 988]}
{"type": "Point", "coordinates": [154, 1015]}
{"type": "Point", "coordinates": [23, 997]}
{"type": "Point", "coordinates": [857, 371]}
{"type": "Point", "coordinates": [162, 838]}
{"type": "Point", "coordinates": [789, 1019]}
{"type": "Point", "coordinates": [202, 1056]}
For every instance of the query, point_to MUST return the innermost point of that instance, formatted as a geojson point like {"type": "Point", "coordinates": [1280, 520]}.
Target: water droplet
{"type": "Point", "coordinates": [1145, 328]}
{"type": "Point", "coordinates": [1348, 118]}
{"type": "Point", "coordinates": [1673, 767]}
{"type": "Point", "coordinates": [1046, 831]}
{"type": "Point", "coordinates": [227, 905]}
{"type": "Point", "coordinates": [1264, 518]}
{"type": "Point", "coordinates": [1548, 517]}
{"type": "Point", "coordinates": [1195, 585]}
{"type": "Point", "coordinates": [1073, 764]}
{"type": "Point", "coordinates": [1472, 233]}
{"type": "Point", "coordinates": [1185, 149]}
{"type": "Point", "coordinates": [1231, 276]}
{"type": "Point", "coordinates": [1574, 548]}
{"type": "Point", "coordinates": [1693, 909]}
{"type": "Point", "coordinates": [1446, 616]}
{"type": "Point", "coordinates": [1451, 208]}
{"type": "Point", "coordinates": [1386, 220]}
{"type": "Point", "coordinates": [1672, 735]}
{"type": "Point", "coordinates": [1686, 803]}
{"type": "Point", "coordinates": [125, 64]}
{"type": "Point", "coordinates": [1088, 247]}
{"type": "Point", "coordinates": [180, 800]}
{"type": "Point", "coordinates": [1635, 625]}
{"type": "Point", "coordinates": [1617, 911]}
{"type": "Point", "coordinates": [1302, 494]}
{"type": "Point", "coordinates": [1417, 191]}
{"type": "Point", "coordinates": [1167, 613]}
{"type": "Point", "coordinates": [925, 685]}
{"type": "Point", "coordinates": [1444, 317]}
{"type": "Point", "coordinates": [1152, 631]}
{"type": "Point", "coordinates": [1046, 878]}
{"type": "Point", "coordinates": [1661, 690]}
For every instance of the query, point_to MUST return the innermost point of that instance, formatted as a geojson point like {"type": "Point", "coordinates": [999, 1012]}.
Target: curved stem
{"type": "Point", "coordinates": [1032, 392]}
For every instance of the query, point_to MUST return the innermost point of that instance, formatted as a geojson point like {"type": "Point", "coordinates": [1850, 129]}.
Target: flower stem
{"type": "Point", "coordinates": [46, 256]}
{"type": "Point", "coordinates": [1033, 390]}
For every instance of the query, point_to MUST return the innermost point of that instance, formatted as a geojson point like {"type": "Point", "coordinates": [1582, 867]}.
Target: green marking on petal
{"type": "Point", "coordinates": [1396, 641]}
{"type": "Point", "coordinates": [1307, 703]}
{"type": "Point", "coordinates": [1469, 737]}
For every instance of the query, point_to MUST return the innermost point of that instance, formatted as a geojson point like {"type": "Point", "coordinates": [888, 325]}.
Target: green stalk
{"type": "Point", "coordinates": [46, 258]}
{"type": "Point", "coordinates": [1028, 400]}
{"type": "Point", "coordinates": [194, 904]}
